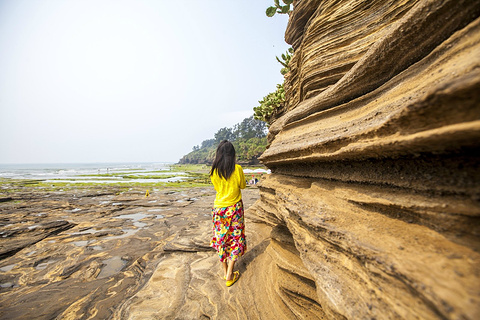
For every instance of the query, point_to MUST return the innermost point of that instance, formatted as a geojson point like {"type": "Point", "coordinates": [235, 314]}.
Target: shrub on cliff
{"type": "Point", "coordinates": [269, 104]}
{"type": "Point", "coordinates": [274, 100]}
{"type": "Point", "coordinates": [278, 8]}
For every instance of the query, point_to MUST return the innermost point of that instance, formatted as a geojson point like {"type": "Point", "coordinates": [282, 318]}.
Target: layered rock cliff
{"type": "Point", "coordinates": [374, 197]}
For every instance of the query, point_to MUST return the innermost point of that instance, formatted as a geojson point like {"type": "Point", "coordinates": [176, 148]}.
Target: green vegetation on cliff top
{"type": "Point", "coordinates": [248, 138]}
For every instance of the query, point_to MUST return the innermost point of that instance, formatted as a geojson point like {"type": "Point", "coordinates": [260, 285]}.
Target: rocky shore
{"type": "Point", "coordinates": [107, 252]}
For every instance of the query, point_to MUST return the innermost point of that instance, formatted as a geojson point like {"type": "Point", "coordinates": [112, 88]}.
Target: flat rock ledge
{"type": "Point", "coordinates": [110, 253]}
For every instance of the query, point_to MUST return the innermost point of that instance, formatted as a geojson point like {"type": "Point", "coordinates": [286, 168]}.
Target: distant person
{"type": "Point", "coordinates": [227, 214]}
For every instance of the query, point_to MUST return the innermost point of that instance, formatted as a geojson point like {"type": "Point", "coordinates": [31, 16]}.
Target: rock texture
{"type": "Point", "coordinates": [375, 161]}
{"type": "Point", "coordinates": [85, 253]}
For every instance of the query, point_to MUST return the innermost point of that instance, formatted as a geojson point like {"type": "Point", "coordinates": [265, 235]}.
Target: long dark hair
{"type": "Point", "coordinates": [224, 161]}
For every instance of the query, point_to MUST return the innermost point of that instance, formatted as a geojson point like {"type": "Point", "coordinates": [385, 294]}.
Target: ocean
{"type": "Point", "coordinates": [93, 172]}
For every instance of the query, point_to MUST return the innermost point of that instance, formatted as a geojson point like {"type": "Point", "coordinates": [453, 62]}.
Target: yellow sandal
{"type": "Point", "coordinates": [236, 275]}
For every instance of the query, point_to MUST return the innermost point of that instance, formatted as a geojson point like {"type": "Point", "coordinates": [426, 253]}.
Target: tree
{"type": "Point", "coordinates": [250, 128]}
{"type": "Point", "coordinates": [208, 143]}
{"type": "Point", "coordinates": [224, 134]}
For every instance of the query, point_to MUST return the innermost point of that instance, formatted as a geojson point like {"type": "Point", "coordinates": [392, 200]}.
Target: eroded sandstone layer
{"type": "Point", "coordinates": [375, 161]}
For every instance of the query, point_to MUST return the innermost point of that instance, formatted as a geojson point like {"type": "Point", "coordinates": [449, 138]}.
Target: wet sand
{"type": "Point", "coordinates": [81, 253]}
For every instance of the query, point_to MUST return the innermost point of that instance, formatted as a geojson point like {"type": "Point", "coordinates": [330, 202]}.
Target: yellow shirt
{"type": "Point", "coordinates": [228, 191]}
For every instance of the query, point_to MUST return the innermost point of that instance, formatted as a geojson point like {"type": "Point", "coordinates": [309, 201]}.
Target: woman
{"type": "Point", "coordinates": [227, 213]}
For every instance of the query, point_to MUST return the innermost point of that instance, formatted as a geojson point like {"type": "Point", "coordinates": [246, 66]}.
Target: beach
{"type": "Point", "coordinates": [84, 251]}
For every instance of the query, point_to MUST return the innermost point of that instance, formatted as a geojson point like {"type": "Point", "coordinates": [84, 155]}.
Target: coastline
{"type": "Point", "coordinates": [59, 177]}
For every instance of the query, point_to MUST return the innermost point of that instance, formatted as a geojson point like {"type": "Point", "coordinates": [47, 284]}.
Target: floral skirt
{"type": "Point", "coordinates": [229, 232]}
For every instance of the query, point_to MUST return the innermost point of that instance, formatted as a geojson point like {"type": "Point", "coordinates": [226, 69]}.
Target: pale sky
{"type": "Point", "coordinates": [130, 81]}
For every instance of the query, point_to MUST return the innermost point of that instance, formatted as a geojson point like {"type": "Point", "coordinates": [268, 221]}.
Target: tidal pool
{"type": "Point", "coordinates": [111, 266]}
